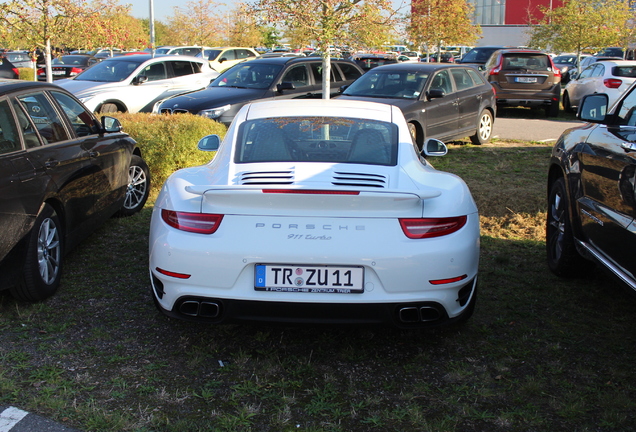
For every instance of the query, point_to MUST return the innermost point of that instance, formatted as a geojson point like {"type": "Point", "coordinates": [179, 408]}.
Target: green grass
{"type": "Point", "coordinates": [539, 354]}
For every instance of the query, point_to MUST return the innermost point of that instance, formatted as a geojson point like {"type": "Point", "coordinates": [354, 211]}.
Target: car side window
{"type": "Point", "coordinates": [598, 70]}
{"type": "Point", "coordinates": [462, 79]}
{"type": "Point", "coordinates": [80, 119]}
{"type": "Point", "coordinates": [243, 53]}
{"type": "Point", "coordinates": [181, 68]}
{"type": "Point", "coordinates": [316, 68]}
{"type": "Point", "coordinates": [349, 71]}
{"type": "Point", "coordinates": [229, 55]}
{"type": "Point", "coordinates": [626, 113]}
{"type": "Point", "coordinates": [297, 75]}
{"type": "Point", "coordinates": [47, 121]}
{"type": "Point", "coordinates": [155, 72]}
{"type": "Point", "coordinates": [9, 138]}
{"type": "Point", "coordinates": [586, 72]}
{"type": "Point", "coordinates": [476, 76]}
{"type": "Point", "coordinates": [442, 81]}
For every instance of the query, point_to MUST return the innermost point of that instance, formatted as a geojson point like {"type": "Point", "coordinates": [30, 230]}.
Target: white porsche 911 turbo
{"type": "Point", "coordinates": [316, 211]}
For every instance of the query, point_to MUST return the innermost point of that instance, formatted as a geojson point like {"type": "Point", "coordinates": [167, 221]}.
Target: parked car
{"type": "Point", "coordinates": [591, 192]}
{"type": "Point", "coordinates": [266, 78]}
{"type": "Point", "coordinates": [316, 211]}
{"type": "Point", "coordinates": [523, 77]}
{"type": "Point", "coordinates": [106, 52]}
{"type": "Point", "coordinates": [62, 174]}
{"type": "Point", "coordinates": [68, 66]}
{"type": "Point", "coordinates": [370, 61]}
{"type": "Point", "coordinates": [223, 58]}
{"type": "Point", "coordinates": [134, 83]}
{"type": "Point", "coordinates": [412, 55]}
{"type": "Point", "coordinates": [19, 59]}
{"type": "Point", "coordinates": [192, 51]}
{"type": "Point", "coordinates": [439, 100]}
{"type": "Point", "coordinates": [612, 52]}
{"type": "Point", "coordinates": [587, 61]}
{"type": "Point", "coordinates": [567, 63]}
{"type": "Point", "coordinates": [445, 57]}
{"type": "Point", "coordinates": [8, 70]}
{"type": "Point", "coordinates": [610, 77]}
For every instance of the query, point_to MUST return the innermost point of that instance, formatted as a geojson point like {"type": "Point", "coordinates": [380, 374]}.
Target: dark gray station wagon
{"type": "Point", "coordinates": [62, 174]}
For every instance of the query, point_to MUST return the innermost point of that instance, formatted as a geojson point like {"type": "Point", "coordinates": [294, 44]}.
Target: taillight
{"type": "Point", "coordinates": [41, 72]}
{"type": "Point", "coordinates": [16, 71]}
{"type": "Point", "coordinates": [497, 69]}
{"type": "Point", "coordinates": [431, 227]}
{"type": "Point", "coordinates": [612, 83]}
{"type": "Point", "coordinates": [199, 223]}
{"type": "Point", "coordinates": [556, 70]}
{"type": "Point", "coordinates": [75, 71]}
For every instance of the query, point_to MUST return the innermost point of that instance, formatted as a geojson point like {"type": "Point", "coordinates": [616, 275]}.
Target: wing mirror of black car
{"type": "Point", "coordinates": [285, 86]}
{"type": "Point", "coordinates": [434, 147]}
{"type": "Point", "coordinates": [140, 79]}
{"type": "Point", "coordinates": [593, 108]}
{"type": "Point", "coordinates": [209, 143]}
{"type": "Point", "coordinates": [110, 124]}
{"type": "Point", "coordinates": [435, 94]}
{"type": "Point", "coordinates": [343, 88]}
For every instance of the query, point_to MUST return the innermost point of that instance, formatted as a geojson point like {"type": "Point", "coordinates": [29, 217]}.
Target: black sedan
{"type": "Point", "coordinates": [439, 100]}
{"type": "Point", "coordinates": [266, 78]}
{"type": "Point", "coordinates": [592, 191]}
{"type": "Point", "coordinates": [62, 174]}
{"type": "Point", "coordinates": [68, 66]}
{"type": "Point", "coordinates": [8, 69]}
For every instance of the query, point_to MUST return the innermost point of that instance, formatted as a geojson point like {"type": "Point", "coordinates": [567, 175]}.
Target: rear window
{"type": "Point", "coordinates": [525, 61]}
{"type": "Point", "coordinates": [317, 139]}
{"type": "Point", "coordinates": [624, 71]}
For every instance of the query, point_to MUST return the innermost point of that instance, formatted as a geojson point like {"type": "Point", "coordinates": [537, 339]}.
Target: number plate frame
{"type": "Point", "coordinates": [329, 279]}
{"type": "Point", "coordinates": [526, 80]}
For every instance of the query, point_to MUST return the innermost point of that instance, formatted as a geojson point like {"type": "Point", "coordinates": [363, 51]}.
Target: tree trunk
{"type": "Point", "coordinates": [326, 74]}
{"type": "Point", "coordinates": [47, 61]}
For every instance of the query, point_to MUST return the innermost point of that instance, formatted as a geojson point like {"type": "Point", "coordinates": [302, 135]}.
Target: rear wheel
{"type": "Point", "coordinates": [484, 128]}
{"type": "Point", "coordinates": [563, 259]}
{"type": "Point", "coordinates": [567, 105]}
{"type": "Point", "coordinates": [43, 263]}
{"type": "Point", "coordinates": [138, 187]}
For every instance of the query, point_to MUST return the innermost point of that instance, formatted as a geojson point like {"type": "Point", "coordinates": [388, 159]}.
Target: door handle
{"type": "Point", "coordinates": [93, 154]}
{"type": "Point", "coordinates": [51, 163]}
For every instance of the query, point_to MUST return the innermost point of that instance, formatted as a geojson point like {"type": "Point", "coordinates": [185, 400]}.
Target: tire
{"type": "Point", "coordinates": [138, 187]}
{"type": "Point", "coordinates": [563, 258]}
{"type": "Point", "coordinates": [108, 108]}
{"type": "Point", "coordinates": [567, 105]}
{"type": "Point", "coordinates": [484, 128]}
{"type": "Point", "coordinates": [552, 110]}
{"type": "Point", "coordinates": [416, 138]}
{"type": "Point", "coordinates": [43, 262]}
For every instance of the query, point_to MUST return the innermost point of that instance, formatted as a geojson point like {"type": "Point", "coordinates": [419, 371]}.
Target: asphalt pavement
{"type": "Point", "coordinates": [545, 130]}
{"type": "Point", "coordinates": [16, 420]}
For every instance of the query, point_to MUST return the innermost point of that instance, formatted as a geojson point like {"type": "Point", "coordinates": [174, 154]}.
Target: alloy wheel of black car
{"type": "Point", "coordinates": [484, 128]}
{"type": "Point", "coordinates": [43, 265]}
{"type": "Point", "coordinates": [563, 259]}
{"type": "Point", "coordinates": [138, 187]}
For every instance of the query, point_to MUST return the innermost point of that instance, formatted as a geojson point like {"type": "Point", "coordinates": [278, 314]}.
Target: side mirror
{"type": "Point", "coordinates": [285, 86]}
{"type": "Point", "coordinates": [140, 79]}
{"type": "Point", "coordinates": [593, 108]}
{"type": "Point", "coordinates": [222, 59]}
{"type": "Point", "coordinates": [434, 147]}
{"type": "Point", "coordinates": [209, 143]}
{"type": "Point", "coordinates": [343, 88]}
{"type": "Point", "coordinates": [111, 124]}
{"type": "Point", "coordinates": [435, 94]}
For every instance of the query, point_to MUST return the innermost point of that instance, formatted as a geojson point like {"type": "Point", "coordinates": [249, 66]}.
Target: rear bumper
{"type": "Point", "coordinates": [528, 97]}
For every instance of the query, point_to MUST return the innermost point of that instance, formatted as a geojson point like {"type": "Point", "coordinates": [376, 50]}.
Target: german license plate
{"type": "Point", "coordinates": [309, 279]}
{"type": "Point", "coordinates": [526, 79]}
{"type": "Point", "coordinates": [58, 72]}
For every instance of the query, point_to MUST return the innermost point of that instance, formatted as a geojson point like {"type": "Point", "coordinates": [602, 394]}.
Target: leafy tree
{"type": "Point", "coordinates": [161, 31]}
{"type": "Point", "coordinates": [581, 25]}
{"type": "Point", "coordinates": [328, 22]}
{"type": "Point", "coordinates": [244, 31]}
{"type": "Point", "coordinates": [196, 23]}
{"type": "Point", "coordinates": [269, 36]}
{"type": "Point", "coordinates": [449, 21]}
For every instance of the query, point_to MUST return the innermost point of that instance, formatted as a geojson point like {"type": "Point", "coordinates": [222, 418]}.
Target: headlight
{"type": "Point", "coordinates": [214, 113]}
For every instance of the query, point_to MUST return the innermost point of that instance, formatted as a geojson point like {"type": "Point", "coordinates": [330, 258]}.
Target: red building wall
{"type": "Point", "coordinates": [526, 12]}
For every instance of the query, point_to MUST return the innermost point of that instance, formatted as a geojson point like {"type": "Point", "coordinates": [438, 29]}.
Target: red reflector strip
{"type": "Point", "coordinates": [199, 223]}
{"type": "Point", "coordinates": [310, 192]}
{"type": "Point", "coordinates": [431, 227]}
{"type": "Point", "coordinates": [173, 274]}
{"type": "Point", "coordinates": [447, 281]}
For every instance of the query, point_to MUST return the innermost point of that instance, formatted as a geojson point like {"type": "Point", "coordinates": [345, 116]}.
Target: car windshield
{"type": "Point", "coordinates": [389, 84]}
{"type": "Point", "coordinates": [245, 75]}
{"type": "Point", "coordinates": [70, 60]}
{"type": "Point", "coordinates": [317, 139]}
{"type": "Point", "coordinates": [109, 71]}
{"type": "Point", "coordinates": [565, 60]}
{"type": "Point", "coordinates": [478, 55]}
{"type": "Point", "coordinates": [12, 57]}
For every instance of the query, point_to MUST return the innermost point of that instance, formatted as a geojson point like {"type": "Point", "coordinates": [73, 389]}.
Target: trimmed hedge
{"type": "Point", "coordinates": [27, 74]}
{"type": "Point", "coordinates": [169, 142]}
